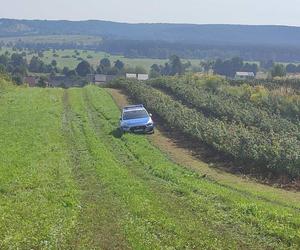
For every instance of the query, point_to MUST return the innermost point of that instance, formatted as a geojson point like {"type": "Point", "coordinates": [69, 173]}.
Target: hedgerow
{"type": "Point", "coordinates": [215, 103]}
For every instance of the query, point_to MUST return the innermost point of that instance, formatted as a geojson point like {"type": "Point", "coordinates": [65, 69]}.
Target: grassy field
{"type": "Point", "coordinates": [64, 58]}
{"type": "Point", "coordinates": [69, 179]}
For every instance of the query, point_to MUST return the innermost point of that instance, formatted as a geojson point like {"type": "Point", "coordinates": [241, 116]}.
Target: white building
{"type": "Point", "coordinates": [131, 76]}
{"type": "Point", "coordinates": [244, 75]}
{"type": "Point", "coordinates": [143, 77]}
{"type": "Point", "coordinates": [99, 78]}
{"type": "Point", "coordinates": [140, 77]}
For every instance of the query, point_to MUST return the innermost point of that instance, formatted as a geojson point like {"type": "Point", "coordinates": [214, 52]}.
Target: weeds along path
{"type": "Point", "coordinates": [164, 205]}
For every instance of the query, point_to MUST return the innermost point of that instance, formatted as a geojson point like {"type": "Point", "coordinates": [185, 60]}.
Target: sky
{"type": "Point", "coordinates": [273, 12]}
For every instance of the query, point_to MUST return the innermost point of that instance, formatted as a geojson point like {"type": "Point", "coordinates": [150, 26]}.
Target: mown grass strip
{"type": "Point", "coordinates": [38, 197]}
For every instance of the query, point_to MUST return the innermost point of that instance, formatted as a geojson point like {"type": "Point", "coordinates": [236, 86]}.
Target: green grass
{"type": "Point", "coordinates": [38, 195]}
{"type": "Point", "coordinates": [69, 179]}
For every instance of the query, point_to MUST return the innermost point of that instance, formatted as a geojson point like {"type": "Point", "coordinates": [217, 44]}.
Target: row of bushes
{"type": "Point", "coordinates": [263, 151]}
{"type": "Point", "coordinates": [281, 100]}
{"type": "Point", "coordinates": [271, 83]}
{"type": "Point", "coordinates": [215, 103]}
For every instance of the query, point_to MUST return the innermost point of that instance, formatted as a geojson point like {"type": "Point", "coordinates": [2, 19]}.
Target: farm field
{"type": "Point", "coordinates": [65, 58]}
{"type": "Point", "coordinates": [69, 179]}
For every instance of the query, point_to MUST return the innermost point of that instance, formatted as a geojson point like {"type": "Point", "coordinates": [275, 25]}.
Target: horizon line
{"type": "Point", "coordinates": [150, 23]}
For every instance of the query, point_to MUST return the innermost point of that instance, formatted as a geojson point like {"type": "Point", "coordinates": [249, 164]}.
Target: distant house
{"type": "Point", "coordinates": [140, 77]}
{"type": "Point", "coordinates": [244, 75]}
{"type": "Point", "coordinates": [31, 80]}
{"type": "Point", "coordinates": [131, 76]}
{"type": "Point", "coordinates": [261, 75]}
{"type": "Point", "coordinates": [110, 78]}
{"type": "Point", "coordinates": [101, 78]}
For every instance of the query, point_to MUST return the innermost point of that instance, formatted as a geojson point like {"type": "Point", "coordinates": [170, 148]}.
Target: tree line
{"type": "Point", "coordinates": [163, 50]}
{"type": "Point", "coordinates": [227, 67]}
{"type": "Point", "coordinates": [18, 67]}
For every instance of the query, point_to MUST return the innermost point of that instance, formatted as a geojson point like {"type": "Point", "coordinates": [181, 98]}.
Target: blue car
{"type": "Point", "coordinates": [135, 118]}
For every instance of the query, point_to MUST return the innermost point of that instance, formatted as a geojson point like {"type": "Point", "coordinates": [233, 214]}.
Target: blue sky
{"type": "Point", "coordinates": [152, 11]}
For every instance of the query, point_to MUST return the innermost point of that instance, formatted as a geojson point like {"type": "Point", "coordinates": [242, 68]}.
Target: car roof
{"type": "Point", "coordinates": [133, 108]}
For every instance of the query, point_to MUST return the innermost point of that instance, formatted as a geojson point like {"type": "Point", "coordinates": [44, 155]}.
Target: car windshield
{"type": "Point", "coordinates": [135, 114]}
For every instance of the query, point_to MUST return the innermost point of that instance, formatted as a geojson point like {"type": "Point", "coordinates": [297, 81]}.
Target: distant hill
{"type": "Point", "coordinates": [187, 33]}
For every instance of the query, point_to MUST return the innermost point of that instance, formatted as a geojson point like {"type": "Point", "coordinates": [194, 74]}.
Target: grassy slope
{"type": "Point", "coordinates": [37, 189]}
{"type": "Point", "coordinates": [73, 180]}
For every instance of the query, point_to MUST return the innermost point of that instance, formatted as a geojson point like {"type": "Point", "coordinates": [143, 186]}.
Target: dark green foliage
{"type": "Point", "coordinates": [65, 71]}
{"type": "Point", "coordinates": [105, 62]}
{"type": "Point", "coordinates": [17, 79]}
{"type": "Point", "coordinates": [208, 96]}
{"type": "Point", "coordinates": [71, 73]}
{"type": "Point", "coordinates": [106, 67]}
{"type": "Point", "coordinates": [119, 65]}
{"type": "Point", "coordinates": [173, 67]}
{"type": "Point", "coordinates": [230, 67]}
{"type": "Point", "coordinates": [155, 71]}
{"type": "Point", "coordinates": [291, 68]}
{"type": "Point", "coordinates": [176, 66]}
{"type": "Point", "coordinates": [83, 68]}
{"type": "Point", "coordinates": [54, 63]}
{"type": "Point", "coordinates": [42, 82]}
{"type": "Point", "coordinates": [4, 59]}
{"type": "Point", "coordinates": [278, 70]}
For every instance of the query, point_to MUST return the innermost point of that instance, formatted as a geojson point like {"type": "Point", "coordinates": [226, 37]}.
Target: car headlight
{"type": "Point", "coordinates": [149, 124]}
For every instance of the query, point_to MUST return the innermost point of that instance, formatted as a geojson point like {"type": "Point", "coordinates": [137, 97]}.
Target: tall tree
{"type": "Point", "coordinates": [291, 68]}
{"type": "Point", "coordinates": [17, 60]}
{"type": "Point", "coordinates": [119, 65]}
{"type": "Point", "coordinates": [176, 66]}
{"type": "Point", "coordinates": [83, 69]}
{"type": "Point", "coordinates": [278, 70]}
{"type": "Point", "coordinates": [155, 71]}
{"type": "Point", "coordinates": [105, 62]}
{"type": "Point", "coordinates": [36, 65]}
